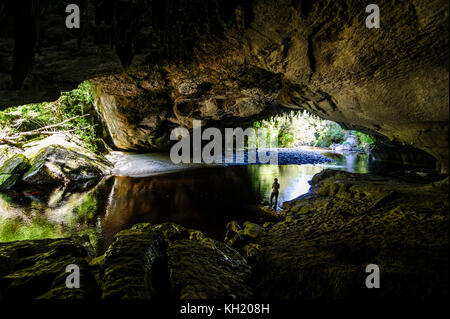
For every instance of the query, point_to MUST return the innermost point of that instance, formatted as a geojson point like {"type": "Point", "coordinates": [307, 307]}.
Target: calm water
{"type": "Point", "coordinates": [202, 198]}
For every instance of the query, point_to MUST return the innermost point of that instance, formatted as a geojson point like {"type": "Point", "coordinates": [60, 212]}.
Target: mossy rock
{"type": "Point", "coordinates": [131, 266]}
{"type": "Point", "coordinates": [37, 269]}
{"type": "Point", "coordinates": [12, 170]}
{"type": "Point", "coordinates": [7, 151]}
{"type": "Point", "coordinates": [56, 164]}
{"type": "Point", "coordinates": [237, 236]}
{"type": "Point", "coordinates": [172, 231]}
{"type": "Point", "coordinates": [207, 270]}
{"type": "Point", "coordinates": [252, 230]}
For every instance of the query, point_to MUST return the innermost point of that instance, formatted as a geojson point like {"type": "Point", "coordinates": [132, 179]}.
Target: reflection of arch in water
{"type": "Point", "coordinates": [205, 199]}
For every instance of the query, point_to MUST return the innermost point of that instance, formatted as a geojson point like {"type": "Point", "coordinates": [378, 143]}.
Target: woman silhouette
{"type": "Point", "coordinates": [275, 192]}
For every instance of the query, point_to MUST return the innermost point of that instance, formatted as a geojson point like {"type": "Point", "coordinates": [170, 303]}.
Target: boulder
{"type": "Point", "coordinates": [37, 269]}
{"type": "Point", "coordinates": [7, 151]}
{"type": "Point", "coordinates": [12, 170]}
{"type": "Point", "coordinates": [252, 230]}
{"type": "Point", "coordinates": [207, 269]}
{"type": "Point", "coordinates": [170, 261]}
{"type": "Point", "coordinates": [55, 160]}
{"type": "Point", "coordinates": [133, 265]}
{"type": "Point", "coordinates": [236, 236]}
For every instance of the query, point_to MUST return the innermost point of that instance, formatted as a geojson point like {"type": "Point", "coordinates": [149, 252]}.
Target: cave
{"type": "Point", "coordinates": [87, 119]}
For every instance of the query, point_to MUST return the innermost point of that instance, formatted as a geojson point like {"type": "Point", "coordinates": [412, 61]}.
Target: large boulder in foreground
{"type": "Point", "coordinates": [37, 269]}
{"type": "Point", "coordinates": [55, 160]}
{"type": "Point", "coordinates": [207, 269]}
{"type": "Point", "coordinates": [170, 261]}
{"type": "Point", "coordinates": [144, 262]}
{"type": "Point", "coordinates": [133, 265]}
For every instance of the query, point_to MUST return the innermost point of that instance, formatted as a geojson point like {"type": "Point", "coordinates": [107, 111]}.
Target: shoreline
{"type": "Point", "coordinates": [148, 164]}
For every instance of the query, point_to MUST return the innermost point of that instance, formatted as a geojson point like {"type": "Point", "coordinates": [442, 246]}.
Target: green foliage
{"type": "Point", "coordinates": [301, 128]}
{"type": "Point", "coordinates": [333, 134]}
{"type": "Point", "coordinates": [286, 139]}
{"type": "Point", "coordinates": [78, 102]}
{"type": "Point", "coordinates": [26, 117]}
{"type": "Point", "coordinates": [87, 209]}
{"type": "Point", "coordinates": [365, 141]}
{"type": "Point", "coordinates": [257, 124]}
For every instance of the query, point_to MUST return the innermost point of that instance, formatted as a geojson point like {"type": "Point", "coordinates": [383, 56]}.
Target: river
{"type": "Point", "coordinates": [149, 188]}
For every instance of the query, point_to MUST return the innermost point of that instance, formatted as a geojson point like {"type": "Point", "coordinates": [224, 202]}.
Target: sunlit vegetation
{"type": "Point", "coordinates": [300, 128]}
{"type": "Point", "coordinates": [73, 113]}
{"type": "Point", "coordinates": [365, 141]}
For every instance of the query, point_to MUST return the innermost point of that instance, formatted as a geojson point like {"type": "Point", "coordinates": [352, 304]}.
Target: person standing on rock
{"type": "Point", "coordinates": [275, 192]}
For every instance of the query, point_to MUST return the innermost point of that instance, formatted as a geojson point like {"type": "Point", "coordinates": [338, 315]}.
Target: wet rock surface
{"type": "Point", "coordinates": [12, 170]}
{"type": "Point", "coordinates": [348, 221]}
{"type": "Point", "coordinates": [282, 156]}
{"type": "Point", "coordinates": [132, 265]}
{"type": "Point", "coordinates": [55, 160]}
{"type": "Point", "coordinates": [207, 269]}
{"type": "Point", "coordinates": [37, 269]}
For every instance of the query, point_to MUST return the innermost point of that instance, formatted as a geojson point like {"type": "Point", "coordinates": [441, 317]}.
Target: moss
{"type": "Point", "coordinates": [78, 102]}
{"type": "Point", "coordinates": [37, 269]}
{"type": "Point", "coordinates": [61, 163]}
{"type": "Point", "coordinates": [12, 229]}
{"type": "Point", "coordinates": [12, 170]}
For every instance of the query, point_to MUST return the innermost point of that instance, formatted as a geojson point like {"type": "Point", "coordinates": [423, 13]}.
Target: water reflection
{"type": "Point", "coordinates": [204, 199]}
{"type": "Point", "coordinates": [292, 178]}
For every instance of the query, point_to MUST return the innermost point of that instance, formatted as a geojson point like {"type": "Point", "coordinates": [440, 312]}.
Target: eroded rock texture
{"type": "Point", "coordinates": [170, 261]}
{"type": "Point", "coordinates": [37, 269]}
{"type": "Point", "coordinates": [348, 221]}
{"type": "Point", "coordinates": [228, 61]}
{"type": "Point", "coordinates": [52, 161]}
{"type": "Point", "coordinates": [144, 262]}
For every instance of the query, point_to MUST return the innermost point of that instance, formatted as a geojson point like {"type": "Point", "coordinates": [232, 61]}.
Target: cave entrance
{"type": "Point", "coordinates": [300, 137]}
{"type": "Point", "coordinates": [298, 129]}
{"type": "Point", "coordinates": [357, 151]}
